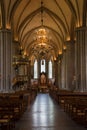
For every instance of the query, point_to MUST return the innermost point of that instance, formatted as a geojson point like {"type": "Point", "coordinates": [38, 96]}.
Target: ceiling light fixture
{"type": "Point", "coordinates": [42, 33]}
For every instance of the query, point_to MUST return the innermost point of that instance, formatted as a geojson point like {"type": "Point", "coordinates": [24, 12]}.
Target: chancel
{"type": "Point", "coordinates": [43, 64]}
{"type": "Point", "coordinates": [43, 78]}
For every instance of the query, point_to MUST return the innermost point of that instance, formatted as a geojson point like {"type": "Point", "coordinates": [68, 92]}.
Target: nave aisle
{"type": "Point", "coordinates": [45, 114]}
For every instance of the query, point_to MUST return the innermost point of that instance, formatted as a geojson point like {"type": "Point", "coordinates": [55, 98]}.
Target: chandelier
{"type": "Point", "coordinates": [42, 34]}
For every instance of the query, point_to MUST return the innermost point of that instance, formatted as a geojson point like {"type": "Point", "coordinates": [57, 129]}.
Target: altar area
{"type": "Point", "coordinates": [43, 83]}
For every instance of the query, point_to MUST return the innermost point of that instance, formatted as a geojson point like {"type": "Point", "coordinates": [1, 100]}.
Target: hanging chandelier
{"type": "Point", "coordinates": [42, 36]}
{"type": "Point", "coordinates": [42, 33]}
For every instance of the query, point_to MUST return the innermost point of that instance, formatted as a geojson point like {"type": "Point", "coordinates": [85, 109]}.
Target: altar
{"type": "Point", "coordinates": [43, 83]}
{"type": "Point", "coordinates": [43, 79]}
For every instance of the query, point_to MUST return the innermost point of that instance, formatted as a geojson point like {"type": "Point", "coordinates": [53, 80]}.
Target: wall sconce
{"type": "Point", "coordinates": [55, 58]}
{"type": "Point", "coordinates": [64, 48]}
{"type": "Point", "coordinates": [60, 52]}
{"type": "Point", "coordinates": [60, 55]}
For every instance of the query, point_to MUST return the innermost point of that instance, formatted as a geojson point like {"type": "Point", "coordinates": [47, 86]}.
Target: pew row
{"type": "Point", "coordinates": [73, 103]}
{"type": "Point", "coordinates": [12, 107]}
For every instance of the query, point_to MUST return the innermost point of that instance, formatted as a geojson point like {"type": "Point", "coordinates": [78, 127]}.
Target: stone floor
{"type": "Point", "coordinates": [45, 114]}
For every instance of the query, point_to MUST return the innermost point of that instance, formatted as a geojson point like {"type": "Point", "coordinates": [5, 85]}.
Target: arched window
{"type": "Point", "coordinates": [50, 69]}
{"type": "Point", "coordinates": [43, 66]}
{"type": "Point", "coordinates": [35, 70]}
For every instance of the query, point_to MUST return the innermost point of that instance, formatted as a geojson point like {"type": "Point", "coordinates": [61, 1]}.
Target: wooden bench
{"type": "Point", "coordinates": [74, 103]}
{"type": "Point", "coordinates": [13, 105]}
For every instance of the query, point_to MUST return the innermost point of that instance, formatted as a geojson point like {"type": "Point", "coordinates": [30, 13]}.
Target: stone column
{"type": "Point", "coordinates": [56, 72]}
{"type": "Point", "coordinates": [80, 59]}
{"type": "Point", "coordinates": [47, 73]}
{"type": "Point", "coordinates": [39, 70]}
{"type": "Point", "coordinates": [5, 59]}
{"type": "Point", "coordinates": [63, 70]}
{"type": "Point", "coordinates": [86, 55]}
{"type": "Point", "coordinates": [32, 71]}
{"type": "Point", "coordinates": [59, 70]}
{"type": "Point", "coordinates": [53, 70]}
{"type": "Point", "coordinates": [70, 65]}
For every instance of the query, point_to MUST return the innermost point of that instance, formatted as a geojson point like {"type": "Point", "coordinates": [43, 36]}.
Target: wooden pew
{"type": "Point", "coordinates": [74, 103]}
{"type": "Point", "coordinates": [13, 105]}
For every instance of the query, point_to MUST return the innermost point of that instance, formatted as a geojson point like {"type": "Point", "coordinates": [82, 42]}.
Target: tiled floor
{"type": "Point", "coordinates": [45, 114]}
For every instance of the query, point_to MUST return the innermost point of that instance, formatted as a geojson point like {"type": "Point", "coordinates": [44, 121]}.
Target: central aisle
{"type": "Point", "coordinates": [45, 114]}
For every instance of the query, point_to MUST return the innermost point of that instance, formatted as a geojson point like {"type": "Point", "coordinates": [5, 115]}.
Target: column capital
{"type": "Point", "coordinates": [69, 42]}
{"type": "Point", "coordinates": [6, 30]}
{"type": "Point", "coordinates": [81, 29]}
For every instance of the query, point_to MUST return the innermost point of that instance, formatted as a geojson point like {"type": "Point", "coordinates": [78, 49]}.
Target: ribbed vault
{"type": "Point", "coordinates": [23, 17]}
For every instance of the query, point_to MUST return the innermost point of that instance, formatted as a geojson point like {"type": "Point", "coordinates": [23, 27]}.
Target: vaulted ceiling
{"type": "Point", "coordinates": [23, 17]}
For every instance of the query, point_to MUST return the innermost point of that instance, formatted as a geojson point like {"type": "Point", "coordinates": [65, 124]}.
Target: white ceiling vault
{"type": "Point", "coordinates": [60, 17]}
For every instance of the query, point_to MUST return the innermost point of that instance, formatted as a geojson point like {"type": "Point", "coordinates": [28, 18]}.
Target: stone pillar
{"type": "Point", "coordinates": [63, 71]}
{"type": "Point", "coordinates": [86, 55]}
{"type": "Point", "coordinates": [53, 70]}
{"type": "Point", "coordinates": [32, 71]}
{"type": "Point", "coordinates": [56, 72]}
{"type": "Point", "coordinates": [59, 70]}
{"type": "Point", "coordinates": [39, 70]}
{"type": "Point", "coordinates": [5, 59]}
{"type": "Point", "coordinates": [47, 72]}
{"type": "Point", "coordinates": [80, 59]}
{"type": "Point", "coordinates": [70, 65]}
